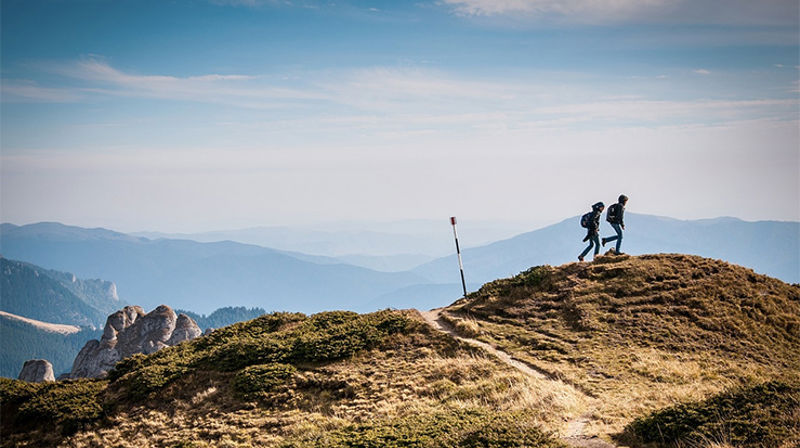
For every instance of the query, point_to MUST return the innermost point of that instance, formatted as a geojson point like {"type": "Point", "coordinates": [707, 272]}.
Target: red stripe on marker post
{"type": "Point", "coordinates": [458, 251]}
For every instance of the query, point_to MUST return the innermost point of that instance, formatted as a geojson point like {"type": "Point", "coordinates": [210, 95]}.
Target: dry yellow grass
{"type": "Point", "coordinates": [615, 340]}
{"type": "Point", "coordinates": [417, 378]}
{"type": "Point", "coordinates": [640, 333]}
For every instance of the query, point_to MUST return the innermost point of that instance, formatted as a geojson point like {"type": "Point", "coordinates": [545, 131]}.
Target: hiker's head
{"type": "Point", "coordinates": [599, 206]}
{"type": "Point", "coordinates": [623, 199]}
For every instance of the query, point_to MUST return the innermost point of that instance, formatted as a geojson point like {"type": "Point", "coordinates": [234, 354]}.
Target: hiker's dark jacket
{"type": "Point", "coordinates": [620, 214]}
{"type": "Point", "coordinates": [594, 222]}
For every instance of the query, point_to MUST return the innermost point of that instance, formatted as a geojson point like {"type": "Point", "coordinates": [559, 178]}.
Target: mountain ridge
{"type": "Point", "coordinates": [771, 247]}
{"type": "Point", "coordinates": [195, 275]}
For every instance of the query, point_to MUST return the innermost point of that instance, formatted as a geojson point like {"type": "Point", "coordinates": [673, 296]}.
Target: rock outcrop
{"type": "Point", "coordinates": [130, 331]}
{"type": "Point", "coordinates": [37, 371]}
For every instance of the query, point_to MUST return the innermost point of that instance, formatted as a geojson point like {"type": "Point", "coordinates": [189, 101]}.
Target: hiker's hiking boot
{"type": "Point", "coordinates": [580, 257]}
{"type": "Point", "coordinates": [604, 242]}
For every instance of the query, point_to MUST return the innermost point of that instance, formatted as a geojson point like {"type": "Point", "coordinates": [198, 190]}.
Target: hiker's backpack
{"type": "Point", "coordinates": [585, 219]}
{"type": "Point", "coordinates": [612, 215]}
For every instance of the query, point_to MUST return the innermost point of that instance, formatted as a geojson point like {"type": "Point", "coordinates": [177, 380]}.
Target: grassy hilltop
{"type": "Point", "coordinates": [647, 350]}
{"type": "Point", "coordinates": [641, 333]}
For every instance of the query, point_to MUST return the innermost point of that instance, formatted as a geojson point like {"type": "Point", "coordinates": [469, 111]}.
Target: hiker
{"type": "Point", "coordinates": [614, 217]}
{"type": "Point", "coordinates": [591, 221]}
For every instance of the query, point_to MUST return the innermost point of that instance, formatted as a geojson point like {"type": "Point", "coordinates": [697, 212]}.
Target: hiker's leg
{"type": "Point", "coordinates": [596, 240]}
{"type": "Point", "coordinates": [589, 247]}
{"type": "Point", "coordinates": [618, 229]}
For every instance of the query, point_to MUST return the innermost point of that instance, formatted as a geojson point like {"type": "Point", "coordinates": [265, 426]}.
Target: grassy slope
{"type": "Point", "coordinates": [330, 380]}
{"type": "Point", "coordinates": [638, 334]}
{"type": "Point", "coordinates": [764, 415]}
{"type": "Point", "coordinates": [641, 333]}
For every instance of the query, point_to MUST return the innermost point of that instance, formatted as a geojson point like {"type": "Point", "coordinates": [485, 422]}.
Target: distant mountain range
{"type": "Point", "coordinates": [57, 297]}
{"type": "Point", "coordinates": [407, 238]}
{"type": "Point", "coordinates": [768, 247]}
{"type": "Point", "coordinates": [201, 276]}
{"type": "Point", "coordinates": [223, 316]}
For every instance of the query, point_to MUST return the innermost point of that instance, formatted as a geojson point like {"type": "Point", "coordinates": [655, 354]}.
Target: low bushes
{"type": "Point", "coordinates": [279, 338]}
{"type": "Point", "coordinates": [67, 404]}
{"type": "Point", "coordinates": [764, 415]}
{"type": "Point", "coordinates": [466, 428]}
{"type": "Point", "coordinates": [255, 381]}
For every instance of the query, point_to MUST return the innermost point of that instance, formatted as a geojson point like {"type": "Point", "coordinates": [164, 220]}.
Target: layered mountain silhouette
{"type": "Point", "coordinates": [53, 296]}
{"type": "Point", "coordinates": [203, 276]}
{"type": "Point", "coordinates": [769, 247]}
{"type": "Point", "coordinates": [200, 276]}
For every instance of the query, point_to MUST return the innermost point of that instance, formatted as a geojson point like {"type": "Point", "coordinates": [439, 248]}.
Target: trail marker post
{"type": "Point", "coordinates": [458, 251]}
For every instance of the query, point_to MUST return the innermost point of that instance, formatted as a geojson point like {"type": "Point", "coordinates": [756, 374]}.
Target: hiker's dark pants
{"type": "Point", "coordinates": [617, 238]}
{"type": "Point", "coordinates": [594, 241]}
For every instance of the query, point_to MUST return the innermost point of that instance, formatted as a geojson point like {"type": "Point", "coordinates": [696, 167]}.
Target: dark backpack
{"type": "Point", "coordinates": [585, 220]}
{"type": "Point", "coordinates": [612, 215]}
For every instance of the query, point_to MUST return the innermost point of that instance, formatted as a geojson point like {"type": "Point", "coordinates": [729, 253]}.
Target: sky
{"type": "Point", "coordinates": [188, 116]}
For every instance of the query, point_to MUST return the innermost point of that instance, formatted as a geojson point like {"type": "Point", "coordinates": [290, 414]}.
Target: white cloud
{"type": "Point", "coordinates": [240, 90]}
{"type": "Point", "coordinates": [247, 3]}
{"type": "Point", "coordinates": [770, 12]}
{"type": "Point", "coordinates": [424, 141]}
{"type": "Point", "coordinates": [392, 101]}
{"type": "Point", "coordinates": [30, 91]}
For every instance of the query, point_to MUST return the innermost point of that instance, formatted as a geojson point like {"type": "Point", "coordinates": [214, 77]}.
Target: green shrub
{"type": "Point", "coordinates": [763, 415]}
{"type": "Point", "coordinates": [535, 276]}
{"type": "Point", "coordinates": [336, 335]}
{"type": "Point", "coordinates": [470, 428]}
{"type": "Point", "coordinates": [68, 403]}
{"type": "Point", "coordinates": [273, 338]}
{"type": "Point", "coordinates": [15, 391]}
{"type": "Point", "coordinates": [127, 365]}
{"type": "Point", "coordinates": [254, 381]}
{"type": "Point", "coordinates": [146, 380]}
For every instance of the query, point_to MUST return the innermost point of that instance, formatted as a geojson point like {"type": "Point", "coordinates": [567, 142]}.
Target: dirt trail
{"type": "Point", "coordinates": [575, 434]}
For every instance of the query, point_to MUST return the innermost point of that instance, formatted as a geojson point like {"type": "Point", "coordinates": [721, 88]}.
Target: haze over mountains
{"type": "Point", "coordinates": [56, 297]}
{"type": "Point", "coordinates": [768, 247]}
{"type": "Point", "coordinates": [382, 246]}
{"type": "Point", "coordinates": [46, 314]}
{"type": "Point", "coordinates": [202, 277]}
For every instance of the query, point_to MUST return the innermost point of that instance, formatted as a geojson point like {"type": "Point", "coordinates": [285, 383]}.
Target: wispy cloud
{"type": "Point", "coordinates": [14, 90]}
{"type": "Point", "coordinates": [740, 12]}
{"type": "Point", "coordinates": [386, 99]}
{"type": "Point", "coordinates": [247, 3]}
{"type": "Point", "coordinates": [235, 89]}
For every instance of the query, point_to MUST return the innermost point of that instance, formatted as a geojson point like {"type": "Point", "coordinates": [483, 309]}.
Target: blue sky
{"type": "Point", "coordinates": [200, 115]}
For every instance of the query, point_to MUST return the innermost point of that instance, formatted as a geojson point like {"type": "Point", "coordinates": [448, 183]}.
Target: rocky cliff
{"type": "Point", "coordinates": [37, 371]}
{"type": "Point", "coordinates": [130, 331]}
